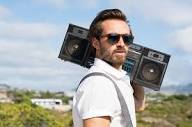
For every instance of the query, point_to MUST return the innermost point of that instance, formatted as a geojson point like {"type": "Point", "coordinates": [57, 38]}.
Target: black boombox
{"type": "Point", "coordinates": [145, 66]}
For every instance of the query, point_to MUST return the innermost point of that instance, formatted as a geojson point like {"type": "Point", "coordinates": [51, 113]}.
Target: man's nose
{"type": "Point", "coordinates": [120, 42]}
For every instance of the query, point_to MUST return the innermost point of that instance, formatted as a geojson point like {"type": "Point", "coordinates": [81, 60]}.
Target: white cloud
{"type": "Point", "coordinates": [62, 4]}
{"type": "Point", "coordinates": [172, 12]}
{"type": "Point", "coordinates": [29, 58]}
{"type": "Point", "coordinates": [178, 71]}
{"type": "Point", "coordinates": [125, 4]}
{"type": "Point", "coordinates": [20, 53]}
{"type": "Point", "coordinates": [28, 31]}
{"type": "Point", "coordinates": [4, 12]}
{"type": "Point", "coordinates": [35, 64]}
{"type": "Point", "coordinates": [55, 3]}
{"type": "Point", "coordinates": [182, 39]}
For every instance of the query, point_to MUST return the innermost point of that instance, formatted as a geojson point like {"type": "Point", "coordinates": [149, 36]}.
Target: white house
{"type": "Point", "coordinates": [55, 104]}
{"type": "Point", "coordinates": [4, 97]}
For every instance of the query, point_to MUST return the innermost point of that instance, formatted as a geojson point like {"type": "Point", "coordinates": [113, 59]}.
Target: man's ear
{"type": "Point", "coordinates": [95, 43]}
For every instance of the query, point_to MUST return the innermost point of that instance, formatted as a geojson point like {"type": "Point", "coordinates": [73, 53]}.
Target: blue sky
{"type": "Point", "coordinates": [32, 32]}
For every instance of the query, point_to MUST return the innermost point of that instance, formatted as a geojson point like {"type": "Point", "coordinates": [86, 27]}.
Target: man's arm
{"type": "Point", "coordinates": [103, 121]}
{"type": "Point", "coordinates": [139, 97]}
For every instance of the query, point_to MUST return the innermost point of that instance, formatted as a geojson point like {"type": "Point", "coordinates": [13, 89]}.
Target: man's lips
{"type": "Point", "coordinates": [120, 51]}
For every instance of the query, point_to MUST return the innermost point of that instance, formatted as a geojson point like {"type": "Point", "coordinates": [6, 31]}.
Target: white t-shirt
{"type": "Point", "coordinates": [97, 96]}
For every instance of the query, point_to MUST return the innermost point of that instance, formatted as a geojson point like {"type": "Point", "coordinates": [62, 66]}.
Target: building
{"type": "Point", "coordinates": [4, 96]}
{"type": "Point", "coordinates": [54, 104]}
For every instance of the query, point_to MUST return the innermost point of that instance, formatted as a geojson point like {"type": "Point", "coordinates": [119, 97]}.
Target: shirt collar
{"type": "Point", "coordinates": [118, 74]}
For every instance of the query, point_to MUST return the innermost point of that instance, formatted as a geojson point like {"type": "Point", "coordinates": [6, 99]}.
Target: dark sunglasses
{"type": "Point", "coordinates": [113, 38]}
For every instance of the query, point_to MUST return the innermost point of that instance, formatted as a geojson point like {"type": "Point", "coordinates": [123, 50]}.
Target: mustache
{"type": "Point", "coordinates": [120, 50]}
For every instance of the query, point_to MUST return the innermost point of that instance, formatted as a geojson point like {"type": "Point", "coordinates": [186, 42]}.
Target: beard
{"type": "Point", "coordinates": [115, 58]}
{"type": "Point", "coordinates": [118, 59]}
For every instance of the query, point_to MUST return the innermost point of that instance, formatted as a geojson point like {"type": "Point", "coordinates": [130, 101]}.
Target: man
{"type": "Point", "coordinates": [96, 103]}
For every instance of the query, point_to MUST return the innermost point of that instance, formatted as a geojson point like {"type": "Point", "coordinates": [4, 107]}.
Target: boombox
{"type": "Point", "coordinates": [145, 66]}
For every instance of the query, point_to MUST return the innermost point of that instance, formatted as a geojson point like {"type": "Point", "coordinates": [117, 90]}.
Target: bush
{"type": "Point", "coordinates": [26, 115]}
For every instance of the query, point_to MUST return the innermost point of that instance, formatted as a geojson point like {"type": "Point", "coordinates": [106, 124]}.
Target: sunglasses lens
{"type": "Point", "coordinates": [113, 39]}
{"type": "Point", "coordinates": [128, 39]}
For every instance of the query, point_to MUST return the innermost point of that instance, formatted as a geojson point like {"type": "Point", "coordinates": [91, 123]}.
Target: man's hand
{"type": "Point", "coordinates": [139, 97]}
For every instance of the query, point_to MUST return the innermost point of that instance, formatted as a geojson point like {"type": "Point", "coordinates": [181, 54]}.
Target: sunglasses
{"type": "Point", "coordinates": [113, 38]}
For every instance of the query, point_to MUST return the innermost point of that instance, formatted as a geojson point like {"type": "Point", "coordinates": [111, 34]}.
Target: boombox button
{"type": "Point", "coordinates": [156, 56]}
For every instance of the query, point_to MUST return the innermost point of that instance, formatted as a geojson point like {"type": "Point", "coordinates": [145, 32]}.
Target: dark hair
{"type": "Point", "coordinates": [95, 29]}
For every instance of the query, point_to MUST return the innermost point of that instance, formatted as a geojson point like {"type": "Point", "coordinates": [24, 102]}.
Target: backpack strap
{"type": "Point", "coordinates": [123, 104]}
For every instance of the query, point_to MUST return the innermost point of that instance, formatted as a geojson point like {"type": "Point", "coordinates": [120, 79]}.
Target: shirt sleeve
{"type": "Point", "coordinates": [97, 97]}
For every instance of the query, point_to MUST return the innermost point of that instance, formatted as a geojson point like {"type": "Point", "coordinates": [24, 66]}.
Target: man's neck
{"type": "Point", "coordinates": [116, 66]}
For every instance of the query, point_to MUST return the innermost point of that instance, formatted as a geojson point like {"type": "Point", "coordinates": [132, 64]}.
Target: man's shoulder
{"type": "Point", "coordinates": [95, 81]}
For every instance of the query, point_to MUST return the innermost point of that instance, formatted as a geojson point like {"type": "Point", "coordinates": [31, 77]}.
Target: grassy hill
{"type": "Point", "coordinates": [166, 111]}
{"type": "Point", "coordinates": [161, 111]}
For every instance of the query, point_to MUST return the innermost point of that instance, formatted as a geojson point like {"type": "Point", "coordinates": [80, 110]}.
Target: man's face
{"type": "Point", "coordinates": [113, 53]}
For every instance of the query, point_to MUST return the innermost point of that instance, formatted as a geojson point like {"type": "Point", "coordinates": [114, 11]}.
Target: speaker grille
{"type": "Point", "coordinates": [150, 71]}
{"type": "Point", "coordinates": [74, 49]}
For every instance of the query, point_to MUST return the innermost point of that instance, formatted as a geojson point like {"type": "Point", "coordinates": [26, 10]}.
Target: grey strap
{"type": "Point", "coordinates": [123, 104]}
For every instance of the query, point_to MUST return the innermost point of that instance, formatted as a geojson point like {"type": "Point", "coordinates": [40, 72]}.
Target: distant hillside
{"type": "Point", "coordinates": [177, 89]}
{"type": "Point", "coordinates": [166, 111]}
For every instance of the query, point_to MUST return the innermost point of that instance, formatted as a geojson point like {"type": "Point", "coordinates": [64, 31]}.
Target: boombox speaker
{"type": "Point", "coordinates": [75, 46]}
{"type": "Point", "coordinates": [145, 66]}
